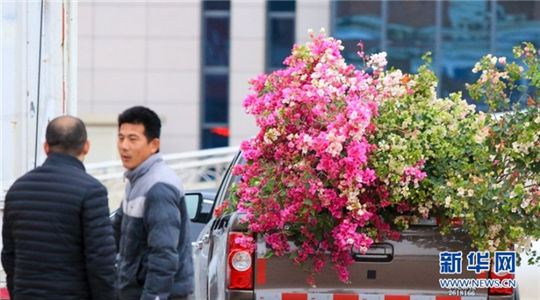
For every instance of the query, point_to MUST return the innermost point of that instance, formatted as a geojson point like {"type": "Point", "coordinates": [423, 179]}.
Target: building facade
{"type": "Point", "coordinates": [191, 60]}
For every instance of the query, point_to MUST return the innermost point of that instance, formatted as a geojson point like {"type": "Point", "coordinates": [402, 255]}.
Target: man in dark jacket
{"type": "Point", "coordinates": [57, 235]}
{"type": "Point", "coordinates": [151, 225]}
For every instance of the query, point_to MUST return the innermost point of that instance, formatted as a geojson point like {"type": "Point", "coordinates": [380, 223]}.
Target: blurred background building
{"type": "Point", "coordinates": [191, 60]}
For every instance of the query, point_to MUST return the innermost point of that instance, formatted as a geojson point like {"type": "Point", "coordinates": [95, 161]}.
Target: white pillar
{"type": "Point", "coordinates": [311, 15]}
{"type": "Point", "coordinates": [22, 117]}
{"type": "Point", "coordinates": [248, 21]}
{"type": "Point", "coordinates": [70, 56]}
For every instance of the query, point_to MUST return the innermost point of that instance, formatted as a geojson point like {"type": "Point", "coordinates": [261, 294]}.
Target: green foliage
{"type": "Point", "coordinates": [482, 168]}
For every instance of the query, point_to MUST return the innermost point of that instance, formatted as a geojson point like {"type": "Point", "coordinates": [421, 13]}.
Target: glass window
{"type": "Point", "coordinates": [281, 41]}
{"type": "Point", "coordinates": [516, 22]}
{"type": "Point", "coordinates": [465, 39]}
{"type": "Point", "coordinates": [216, 100]}
{"type": "Point", "coordinates": [212, 138]}
{"type": "Point", "coordinates": [216, 41]}
{"type": "Point", "coordinates": [358, 21]}
{"type": "Point", "coordinates": [281, 5]}
{"type": "Point", "coordinates": [280, 32]}
{"type": "Point", "coordinates": [215, 74]}
{"type": "Point", "coordinates": [216, 5]}
{"type": "Point", "coordinates": [458, 33]}
{"type": "Point", "coordinates": [410, 38]}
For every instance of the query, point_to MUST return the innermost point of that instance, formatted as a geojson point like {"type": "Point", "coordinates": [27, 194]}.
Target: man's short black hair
{"type": "Point", "coordinates": [66, 134]}
{"type": "Point", "coordinates": [145, 116]}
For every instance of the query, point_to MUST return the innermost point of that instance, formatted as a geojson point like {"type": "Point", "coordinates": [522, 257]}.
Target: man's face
{"type": "Point", "coordinates": [133, 146]}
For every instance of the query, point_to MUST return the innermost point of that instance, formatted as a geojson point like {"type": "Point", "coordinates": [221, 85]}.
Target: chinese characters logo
{"type": "Point", "coordinates": [477, 261]}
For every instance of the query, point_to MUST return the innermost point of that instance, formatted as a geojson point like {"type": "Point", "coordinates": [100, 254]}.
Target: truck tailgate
{"type": "Point", "coordinates": [408, 267]}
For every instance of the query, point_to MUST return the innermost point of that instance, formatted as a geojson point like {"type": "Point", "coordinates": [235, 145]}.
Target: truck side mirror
{"type": "Point", "coordinates": [194, 204]}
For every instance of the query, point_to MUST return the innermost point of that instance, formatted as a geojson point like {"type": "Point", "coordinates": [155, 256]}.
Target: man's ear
{"type": "Point", "coordinates": [46, 148]}
{"type": "Point", "coordinates": [155, 145]}
{"type": "Point", "coordinates": [86, 147]}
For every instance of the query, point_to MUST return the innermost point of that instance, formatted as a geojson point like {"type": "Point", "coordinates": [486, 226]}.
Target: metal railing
{"type": "Point", "coordinates": [197, 169]}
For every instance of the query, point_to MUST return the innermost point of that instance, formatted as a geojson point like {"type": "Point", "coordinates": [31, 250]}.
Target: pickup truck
{"type": "Point", "coordinates": [390, 270]}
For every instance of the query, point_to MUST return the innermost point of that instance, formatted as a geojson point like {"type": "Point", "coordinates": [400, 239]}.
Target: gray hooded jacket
{"type": "Point", "coordinates": [151, 230]}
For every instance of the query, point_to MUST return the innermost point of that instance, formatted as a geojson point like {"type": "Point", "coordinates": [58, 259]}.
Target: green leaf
{"type": "Point", "coordinates": [293, 255]}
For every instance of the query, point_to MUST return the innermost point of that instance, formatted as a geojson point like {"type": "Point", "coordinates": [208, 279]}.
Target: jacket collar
{"type": "Point", "coordinates": [63, 159]}
{"type": "Point", "coordinates": [133, 175]}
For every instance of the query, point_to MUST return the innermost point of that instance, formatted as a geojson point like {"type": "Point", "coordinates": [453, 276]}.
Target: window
{"type": "Point", "coordinates": [215, 74]}
{"type": "Point", "coordinates": [216, 49]}
{"type": "Point", "coordinates": [516, 22]}
{"type": "Point", "coordinates": [465, 38]}
{"type": "Point", "coordinates": [355, 22]}
{"type": "Point", "coordinates": [458, 33]}
{"type": "Point", "coordinates": [409, 38]}
{"type": "Point", "coordinates": [280, 27]}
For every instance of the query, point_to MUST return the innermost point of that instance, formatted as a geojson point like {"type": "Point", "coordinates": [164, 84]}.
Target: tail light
{"type": "Point", "coordinates": [239, 264]}
{"type": "Point", "coordinates": [4, 294]}
{"type": "Point", "coordinates": [456, 222]}
{"type": "Point", "coordinates": [501, 277]}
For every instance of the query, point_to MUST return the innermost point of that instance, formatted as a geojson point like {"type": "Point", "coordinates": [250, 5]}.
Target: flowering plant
{"type": "Point", "coordinates": [481, 168]}
{"type": "Point", "coordinates": [346, 157]}
{"type": "Point", "coordinates": [308, 164]}
{"type": "Point", "coordinates": [421, 141]}
{"type": "Point", "coordinates": [507, 206]}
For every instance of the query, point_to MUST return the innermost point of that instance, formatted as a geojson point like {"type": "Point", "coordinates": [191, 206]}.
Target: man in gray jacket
{"type": "Point", "coordinates": [151, 226]}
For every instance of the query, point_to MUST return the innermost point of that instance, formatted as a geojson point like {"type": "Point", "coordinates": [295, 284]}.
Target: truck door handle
{"type": "Point", "coordinates": [378, 252]}
{"type": "Point", "coordinates": [206, 238]}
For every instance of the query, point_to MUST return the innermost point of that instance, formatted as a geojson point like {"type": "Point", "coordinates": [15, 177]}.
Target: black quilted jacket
{"type": "Point", "coordinates": [57, 236]}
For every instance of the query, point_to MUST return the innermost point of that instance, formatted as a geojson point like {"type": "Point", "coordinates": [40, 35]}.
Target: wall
{"type": "Point", "coordinates": [311, 15]}
{"type": "Point", "coordinates": [149, 53]}
{"type": "Point", "coordinates": [248, 39]}
{"type": "Point", "coordinates": [139, 53]}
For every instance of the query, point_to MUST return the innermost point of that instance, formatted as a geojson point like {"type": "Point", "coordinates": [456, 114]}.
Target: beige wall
{"type": "Point", "coordinates": [149, 53]}
{"type": "Point", "coordinates": [248, 21]}
{"type": "Point", "coordinates": [311, 15]}
{"type": "Point", "coordinates": [140, 53]}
